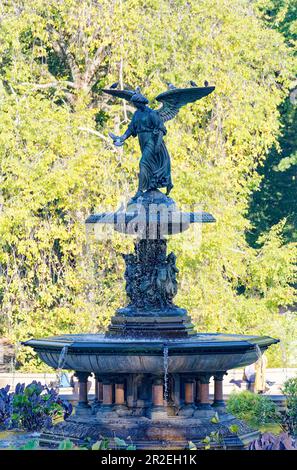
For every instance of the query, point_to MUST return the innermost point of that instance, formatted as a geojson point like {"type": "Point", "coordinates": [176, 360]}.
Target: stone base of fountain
{"type": "Point", "coordinates": [158, 433]}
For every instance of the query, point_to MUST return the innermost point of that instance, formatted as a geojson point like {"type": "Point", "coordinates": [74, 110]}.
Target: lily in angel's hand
{"type": "Point", "coordinates": [118, 141]}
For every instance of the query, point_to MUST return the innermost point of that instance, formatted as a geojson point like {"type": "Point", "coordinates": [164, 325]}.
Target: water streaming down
{"type": "Point", "coordinates": [259, 356]}
{"type": "Point", "coordinates": [258, 352]}
{"type": "Point", "coordinates": [165, 363]}
{"type": "Point", "coordinates": [61, 363]}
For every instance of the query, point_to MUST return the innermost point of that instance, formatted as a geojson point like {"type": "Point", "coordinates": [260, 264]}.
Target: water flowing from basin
{"type": "Point", "coordinates": [260, 360]}
{"type": "Point", "coordinates": [165, 365]}
{"type": "Point", "coordinates": [258, 352]}
{"type": "Point", "coordinates": [61, 363]}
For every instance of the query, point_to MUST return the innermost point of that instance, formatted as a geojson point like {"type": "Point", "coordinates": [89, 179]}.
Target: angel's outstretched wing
{"type": "Point", "coordinates": [174, 99]}
{"type": "Point", "coordinates": [125, 94]}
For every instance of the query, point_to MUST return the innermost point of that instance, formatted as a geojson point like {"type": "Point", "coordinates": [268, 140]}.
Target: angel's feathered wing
{"type": "Point", "coordinates": [173, 100]}
{"type": "Point", "coordinates": [125, 94]}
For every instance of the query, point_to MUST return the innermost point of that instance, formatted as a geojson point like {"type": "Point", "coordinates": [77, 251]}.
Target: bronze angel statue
{"type": "Point", "coordinates": [148, 125]}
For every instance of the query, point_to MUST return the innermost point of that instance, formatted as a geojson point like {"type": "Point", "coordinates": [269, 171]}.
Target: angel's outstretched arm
{"type": "Point", "coordinates": [119, 140]}
{"type": "Point", "coordinates": [126, 134]}
{"type": "Point", "coordinates": [126, 95]}
{"type": "Point", "coordinates": [131, 130]}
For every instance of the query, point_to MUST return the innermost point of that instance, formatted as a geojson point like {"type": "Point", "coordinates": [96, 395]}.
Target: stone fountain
{"type": "Point", "coordinates": [152, 369]}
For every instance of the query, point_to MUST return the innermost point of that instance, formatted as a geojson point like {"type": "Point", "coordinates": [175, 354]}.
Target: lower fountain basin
{"type": "Point", "coordinates": [202, 352]}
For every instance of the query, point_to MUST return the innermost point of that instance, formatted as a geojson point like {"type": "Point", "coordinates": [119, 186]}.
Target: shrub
{"type": "Point", "coordinates": [289, 389]}
{"type": "Point", "coordinates": [255, 409]}
{"type": "Point", "coordinates": [32, 407]}
{"type": "Point", "coordinates": [5, 407]}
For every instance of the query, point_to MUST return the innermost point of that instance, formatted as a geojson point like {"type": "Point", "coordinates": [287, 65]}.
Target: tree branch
{"type": "Point", "coordinates": [98, 134]}
{"type": "Point", "coordinates": [91, 68]}
{"type": "Point", "coordinates": [49, 85]}
{"type": "Point", "coordinates": [60, 46]}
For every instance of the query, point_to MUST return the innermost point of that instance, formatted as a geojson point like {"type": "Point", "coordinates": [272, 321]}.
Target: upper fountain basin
{"type": "Point", "coordinates": [152, 215]}
{"type": "Point", "coordinates": [203, 352]}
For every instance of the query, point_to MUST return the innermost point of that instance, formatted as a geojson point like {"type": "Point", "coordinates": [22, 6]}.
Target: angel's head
{"type": "Point", "coordinates": [139, 100]}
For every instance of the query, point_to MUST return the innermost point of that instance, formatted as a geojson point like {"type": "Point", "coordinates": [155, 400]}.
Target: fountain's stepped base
{"type": "Point", "coordinates": [169, 433]}
{"type": "Point", "coordinates": [170, 326]}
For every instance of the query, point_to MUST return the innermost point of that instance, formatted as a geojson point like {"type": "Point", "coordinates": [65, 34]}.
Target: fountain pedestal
{"type": "Point", "coordinates": [151, 273]}
{"type": "Point", "coordinates": [152, 370]}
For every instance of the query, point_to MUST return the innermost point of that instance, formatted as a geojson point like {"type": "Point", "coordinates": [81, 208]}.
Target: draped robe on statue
{"type": "Point", "coordinates": [154, 165]}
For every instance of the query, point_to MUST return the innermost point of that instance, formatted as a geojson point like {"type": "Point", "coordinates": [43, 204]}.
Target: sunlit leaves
{"type": "Point", "coordinates": [55, 169]}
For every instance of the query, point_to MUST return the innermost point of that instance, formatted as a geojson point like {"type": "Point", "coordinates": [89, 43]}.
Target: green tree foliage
{"type": "Point", "coordinates": [57, 164]}
{"type": "Point", "coordinates": [276, 197]}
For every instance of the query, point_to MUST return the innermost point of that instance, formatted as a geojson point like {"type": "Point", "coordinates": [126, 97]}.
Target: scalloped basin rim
{"type": "Point", "coordinates": [97, 342]}
{"type": "Point", "coordinates": [108, 355]}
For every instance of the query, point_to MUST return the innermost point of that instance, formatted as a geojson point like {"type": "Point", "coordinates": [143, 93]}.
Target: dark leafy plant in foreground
{"type": "Point", "coordinates": [5, 407]}
{"type": "Point", "coordinates": [268, 441]}
{"type": "Point", "coordinates": [32, 407]}
{"type": "Point", "coordinates": [215, 440]}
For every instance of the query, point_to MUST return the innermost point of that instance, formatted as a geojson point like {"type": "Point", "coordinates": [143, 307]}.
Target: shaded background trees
{"type": "Point", "coordinates": [276, 197]}
{"type": "Point", "coordinates": [57, 164]}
